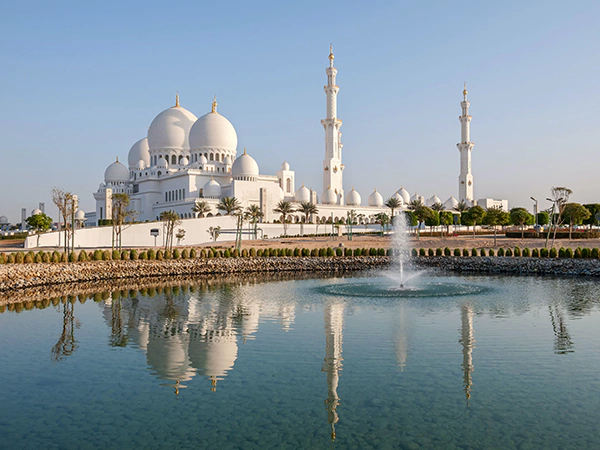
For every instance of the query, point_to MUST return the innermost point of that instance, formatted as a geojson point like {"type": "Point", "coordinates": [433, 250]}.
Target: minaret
{"type": "Point", "coordinates": [332, 164]}
{"type": "Point", "coordinates": [465, 179]}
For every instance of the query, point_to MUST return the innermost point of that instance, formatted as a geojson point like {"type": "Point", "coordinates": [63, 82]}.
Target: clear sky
{"type": "Point", "coordinates": [81, 82]}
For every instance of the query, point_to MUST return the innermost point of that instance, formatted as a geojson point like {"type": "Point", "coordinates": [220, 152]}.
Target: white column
{"type": "Point", "coordinates": [465, 179]}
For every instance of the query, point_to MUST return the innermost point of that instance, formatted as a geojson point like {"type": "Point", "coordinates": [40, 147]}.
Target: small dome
{"type": "Point", "coordinates": [329, 197]}
{"type": "Point", "coordinates": [398, 197]}
{"type": "Point", "coordinates": [80, 215]}
{"type": "Point", "coordinates": [433, 200]}
{"type": "Point", "coordinates": [139, 151]}
{"type": "Point", "coordinates": [170, 129]}
{"type": "Point", "coordinates": [405, 195]}
{"type": "Point", "coordinates": [36, 211]}
{"type": "Point", "coordinates": [203, 159]}
{"type": "Point", "coordinates": [141, 165]}
{"type": "Point", "coordinates": [227, 161]}
{"type": "Point", "coordinates": [450, 204]}
{"type": "Point", "coordinates": [285, 166]}
{"type": "Point", "coordinates": [184, 161]}
{"type": "Point", "coordinates": [212, 189]}
{"type": "Point", "coordinates": [417, 197]}
{"type": "Point", "coordinates": [213, 131]}
{"type": "Point", "coordinates": [375, 199]}
{"type": "Point", "coordinates": [244, 167]}
{"type": "Point", "coordinates": [116, 173]}
{"type": "Point", "coordinates": [353, 198]}
{"type": "Point", "coordinates": [302, 194]}
{"type": "Point", "coordinates": [3, 220]}
{"type": "Point", "coordinates": [162, 163]}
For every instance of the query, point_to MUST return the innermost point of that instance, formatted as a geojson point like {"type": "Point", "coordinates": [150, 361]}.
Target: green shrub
{"type": "Point", "coordinates": [421, 252]}
{"type": "Point", "coordinates": [2, 258]}
{"type": "Point", "coordinates": [259, 253]}
{"type": "Point", "coordinates": [357, 252]}
{"type": "Point", "coordinates": [595, 252]}
{"type": "Point", "coordinates": [305, 252]}
{"type": "Point", "coordinates": [330, 251]}
{"type": "Point", "coordinates": [124, 255]}
{"type": "Point", "coordinates": [526, 253]}
{"type": "Point", "coordinates": [569, 253]}
{"type": "Point", "coordinates": [37, 258]}
{"type": "Point", "coordinates": [210, 253]}
{"type": "Point", "coordinates": [381, 252]}
{"type": "Point", "coordinates": [10, 259]}
{"type": "Point", "coordinates": [116, 254]}
{"type": "Point", "coordinates": [482, 252]}
{"type": "Point", "coordinates": [491, 252]}
{"type": "Point", "coordinates": [553, 253]}
{"type": "Point", "coordinates": [465, 252]}
{"type": "Point", "coordinates": [535, 253]}
{"type": "Point", "coordinates": [517, 251]}
{"type": "Point", "coordinates": [439, 252]}
{"type": "Point", "coordinates": [252, 252]}
{"type": "Point", "coordinates": [373, 251]}
{"type": "Point", "coordinates": [64, 257]}
{"type": "Point", "coordinates": [82, 256]}
{"type": "Point", "coordinates": [244, 253]}
{"type": "Point", "coordinates": [577, 253]}
{"type": "Point", "coordinates": [289, 252]}
{"type": "Point", "coordinates": [347, 251]}
{"type": "Point", "coordinates": [508, 252]}
{"type": "Point", "coordinates": [72, 257]}
{"type": "Point", "coordinates": [168, 254]}
{"type": "Point", "coordinates": [226, 253]}
{"type": "Point", "coordinates": [55, 257]}
{"type": "Point", "coordinates": [474, 252]}
{"type": "Point", "coordinates": [500, 251]}
{"type": "Point", "coordinates": [176, 254]}
{"type": "Point", "coordinates": [160, 255]}
{"type": "Point", "coordinates": [220, 253]}
{"type": "Point", "coordinates": [151, 254]}
{"type": "Point", "coordinates": [133, 254]}
{"type": "Point", "coordinates": [544, 252]}
{"type": "Point", "coordinates": [280, 252]}
{"type": "Point", "coordinates": [389, 252]}
{"type": "Point", "coordinates": [561, 252]}
{"type": "Point", "coordinates": [430, 252]}
{"type": "Point", "coordinates": [143, 256]}
{"type": "Point", "coordinates": [185, 254]}
{"type": "Point", "coordinates": [314, 252]}
{"type": "Point", "coordinates": [97, 255]}
{"type": "Point", "coordinates": [585, 253]}
{"type": "Point", "coordinates": [194, 253]}
{"type": "Point", "coordinates": [447, 251]}
{"type": "Point", "coordinates": [339, 251]}
{"type": "Point", "coordinates": [19, 258]}
{"type": "Point", "coordinates": [457, 252]}
{"type": "Point", "coordinates": [235, 253]}
{"type": "Point", "coordinates": [106, 256]}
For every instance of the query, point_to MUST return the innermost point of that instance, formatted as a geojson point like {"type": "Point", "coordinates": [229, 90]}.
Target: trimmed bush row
{"type": "Point", "coordinates": [159, 255]}
{"type": "Point", "coordinates": [578, 253]}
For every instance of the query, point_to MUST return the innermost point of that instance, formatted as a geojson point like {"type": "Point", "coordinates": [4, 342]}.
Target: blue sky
{"type": "Point", "coordinates": [81, 82]}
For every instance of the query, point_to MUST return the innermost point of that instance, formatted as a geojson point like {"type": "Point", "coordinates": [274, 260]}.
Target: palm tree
{"type": "Point", "coordinates": [460, 208]}
{"type": "Point", "coordinates": [201, 208]}
{"type": "Point", "coordinates": [230, 205]}
{"type": "Point", "coordinates": [438, 208]}
{"type": "Point", "coordinates": [382, 219]}
{"type": "Point", "coordinates": [254, 214]}
{"type": "Point", "coordinates": [308, 209]}
{"type": "Point", "coordinates": [285, 209]}
{"type": "Point", "coordinates": [393, 203]}
{"type": "Point", "coordinates": [418, 209]}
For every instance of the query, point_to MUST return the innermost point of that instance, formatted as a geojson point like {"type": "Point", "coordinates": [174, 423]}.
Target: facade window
{"type": "Point", "coordinates": [212, 157]}
{"type": "Point", "coordinates": [288, 185]}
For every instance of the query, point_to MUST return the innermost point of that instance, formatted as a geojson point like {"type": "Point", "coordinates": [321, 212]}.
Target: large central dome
{"type": "Point", "coordinates": [171, 128]}
{"type": "Point", "coordinates": [213, 131]}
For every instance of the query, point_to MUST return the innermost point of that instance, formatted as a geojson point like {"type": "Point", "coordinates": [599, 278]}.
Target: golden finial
{"type": "Point", "coordinates": [177, 99]}
{"type": "Point", "coordinates": [331, 57]}
{"type": "Point", "coordinates": [214, 104]}
{"type": "Point", "coordinates": [117, 159]}
{"type": "Point", "coordinates": [465, 90]}
{"type": "Point", "coordinates": [245, 151]}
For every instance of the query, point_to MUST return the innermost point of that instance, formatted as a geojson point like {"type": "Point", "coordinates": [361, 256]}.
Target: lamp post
{"type": "Point", "coordinates": [535, 211]}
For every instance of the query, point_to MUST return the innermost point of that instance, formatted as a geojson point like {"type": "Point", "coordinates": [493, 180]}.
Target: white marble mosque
{"type": "Point", "coordinates": [184, 158]}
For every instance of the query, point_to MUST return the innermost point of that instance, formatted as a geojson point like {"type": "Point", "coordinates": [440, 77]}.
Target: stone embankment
{"type": "Point", "coordinates": [511, 265]}
{"type": "Point", "coordinates": [23, 276]}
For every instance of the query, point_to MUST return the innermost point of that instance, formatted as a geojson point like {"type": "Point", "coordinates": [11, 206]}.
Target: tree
{"type": "Point", "coordinates": [230, 205]}
{"type": "Point", "coordinates": [593, 208]}
{"type": "Point", "coordinates": [120, 214]}
{"type": "Point", "coordinates": [420, 212]}
{"type": "Point", "coordinates": [520, 216]}
{"type": "Point", "coordinates": [393, 203]}
{"type": "Point", "coordinates": [170, 221]}
{"type": "Point", "coordinates": [382, 219]}
{"type": "Point", "coordinates": [285, 209]}
{"type": "Point", "coordinates": [432, 219]}
{"type": "Point", "coordinates": [39, 223]}
{"type": "Point", "coordinates": [64, 202]}
{"type": "Point", "coordinates": [201, 208]}
{"type": "Point", "coordinates": [543, 218]}
{"type": "Point", "coordinates": [447, 219]}
{"type": "Point", "coordinates": [180, 235]}
{"type": "Point", "coordinates": [560, 197]}
{"type": "Point", "coordinates": [214, 233]}
{"type": "Point", "coordinates": [475, 215]}
{"type": "Point", "coordinates": [495, 216]}
{"type": "Point", "coordinates": [575, 214]}
{"type": "Point", "coordinates": [462, 207]}
{"type": "Point", "coordinates": [254, 214]}
{"type": "Point", "coordinates": [308, 209]}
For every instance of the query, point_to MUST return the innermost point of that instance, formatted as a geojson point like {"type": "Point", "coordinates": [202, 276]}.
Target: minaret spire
{"type": "Point", "coordinates": [332, 164]}
{"type": "Point", "coordinates": [177, 99]}
{"type": "Point", "coordinates": [214, 104]}
{"type": "Point", "coordinates": [465, 179]}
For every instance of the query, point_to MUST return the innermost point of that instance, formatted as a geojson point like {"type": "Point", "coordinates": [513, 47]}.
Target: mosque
{"type": "Point", "coordinates": [184, 158]}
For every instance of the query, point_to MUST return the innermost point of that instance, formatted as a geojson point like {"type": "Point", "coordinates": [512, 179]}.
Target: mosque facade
{"type": "Point", "coordinates": [185, 159]}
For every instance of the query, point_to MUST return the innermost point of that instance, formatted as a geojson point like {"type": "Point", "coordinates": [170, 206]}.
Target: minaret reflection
{"type": "Point", "coordinates": [402, 340]}
{"type": "Point", "coordinates": [562, 338]}
{"type": "Point", "coordinates": [468, 344]}
{"type": "Point", "coordinates": [334, 323]}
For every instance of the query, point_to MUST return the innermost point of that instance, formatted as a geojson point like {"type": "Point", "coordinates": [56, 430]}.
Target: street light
{"type": "Point", "coordinates": [535, 211]}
